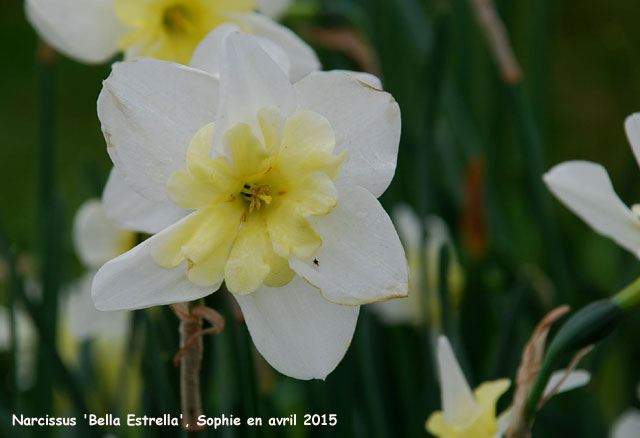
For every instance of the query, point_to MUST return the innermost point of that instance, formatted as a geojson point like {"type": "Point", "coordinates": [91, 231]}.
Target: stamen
{"type": "Point", "coordinates": [255, 195]}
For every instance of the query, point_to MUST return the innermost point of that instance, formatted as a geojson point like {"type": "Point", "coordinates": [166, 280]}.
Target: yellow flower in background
{"type": "Point", "coordinates": [278, 183]}
{"type": "Point", "coordinates": [464, 414]}
{"type": "Point", "coordinates": [467, 414]}
{"type": "Point", "coordinates": [93, 31]}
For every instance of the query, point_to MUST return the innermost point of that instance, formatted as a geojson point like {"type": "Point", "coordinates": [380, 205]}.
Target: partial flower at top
{"type": "Point", "coordinates": [274, 8]}
{"type": "Point", "coordinates": [586, 188]}
{"type": "Point", "coordinates": [628, 425]}
{"type": "Point", "coordinates": [93, 31]}
{"type": "Point", "coordinates": [467, 414]}
{"type": "Point", "coordinates": [280, 184]}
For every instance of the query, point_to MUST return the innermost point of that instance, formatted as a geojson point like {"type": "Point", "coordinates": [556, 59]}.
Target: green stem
{"type": "Point", "coordinates": [534, 169]}
{"type": "Point", "coordinates": [423, 170]}
{"type": "Point", "coordinates": [49, 224]}
{"type": "Point", "coordinates": [628, 299]}
{"type": "Point", "coordinates": [47, 342]}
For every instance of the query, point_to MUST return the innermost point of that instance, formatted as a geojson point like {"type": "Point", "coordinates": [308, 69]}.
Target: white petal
{"type": "Point", "coordinates": [298, 332]}
{"type": "Point", "coordinates": [627, 426]}
{"type": "Point", "coordinates": [367, 78]}
{"type": "Point", "coordinates": [95, 237]}
{"type": "Point", "coordinates": [366, 122]}
{"type": "Point", "coordinates": [632, 128]}
{"type": "Point", "coordinates": [250, 80]}
{"type": "Point", "coordinates": [130, 211]}
{"type": "Point", "coordinates": [273, 8]}
{"type": "Point", "coordinates": [303, 59]}
{"type": "Point", "coordinates": [576, 379]}
{"type": "Point", "coordinates": [206, 57]}
{"type": "Point", "coordinates": [458, 404]}
{"type": "Point", "coordinates": [135, 281]}
{"type": "Point", "coordinates": [85, 321]}
{"type": "Point", "coordinates": [149, 111]}
{"type": "Point", "coordinates": [85, 30]}
{"type": "Point", "coordinates": [409, 226]}
{"type": "Point", "coordinates": [586, 189]}
{"type": "Point", "coordinates": [361, 259]}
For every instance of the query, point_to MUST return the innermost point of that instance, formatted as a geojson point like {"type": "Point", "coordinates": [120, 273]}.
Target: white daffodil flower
{"type": "Point", "coordinates": [280, 184]}
{"type": "Point", "coordinates": [93, 31]}
{"type": "Point", "coordinates": [586, 188]}
{"type": "Point", "coordinates": [473, 414]}
{"type": "Point", "coordinates": [628, 425]}
{"type": "Point", "coordinates": [407, 310]}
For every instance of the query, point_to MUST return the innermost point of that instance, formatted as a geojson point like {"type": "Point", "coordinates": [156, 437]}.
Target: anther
{"type": "Point", "coordinates": [255, 195]}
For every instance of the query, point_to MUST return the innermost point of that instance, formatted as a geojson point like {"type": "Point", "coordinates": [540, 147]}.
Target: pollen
{"type": "Point", "coordinates": [255, 195]}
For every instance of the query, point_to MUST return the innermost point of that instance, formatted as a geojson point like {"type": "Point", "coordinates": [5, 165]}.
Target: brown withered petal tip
{"type": "Point", "coordinates": [532, 357]}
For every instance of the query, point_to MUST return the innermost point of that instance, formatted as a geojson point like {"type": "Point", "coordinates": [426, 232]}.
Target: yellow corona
{"type": "Point", "coordinates": [251, 210]}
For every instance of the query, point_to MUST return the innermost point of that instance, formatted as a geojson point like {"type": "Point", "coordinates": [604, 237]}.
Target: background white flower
{"type": "Point", "coordinates": [407, 310]}
{"type": "Point", "coordinates": [27, 338]}
{"type": "Point", "coordinates": [96, 241]}
{"type": "Point", "coordinates": [151, 111]}
{"type": "Point", "coordinates": [93, 31]}
{"type": "Point", "coordinates": [274, 8]}
{"type": "Point", "coordinates": [628, 425]}
{"type": "Point", "coordinates": [586, 188]}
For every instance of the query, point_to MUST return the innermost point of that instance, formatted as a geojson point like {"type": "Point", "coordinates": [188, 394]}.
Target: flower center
{"type": "Point", "coordinates": [176, 19]}
{"type": "Point", "coordinates": [254, 194]}
{"type": "Point", "coordinates": [253, 205]}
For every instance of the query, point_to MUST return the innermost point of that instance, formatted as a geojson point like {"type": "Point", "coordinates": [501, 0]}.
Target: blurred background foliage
{"type": "Point", "coordinates": [473, 151]}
